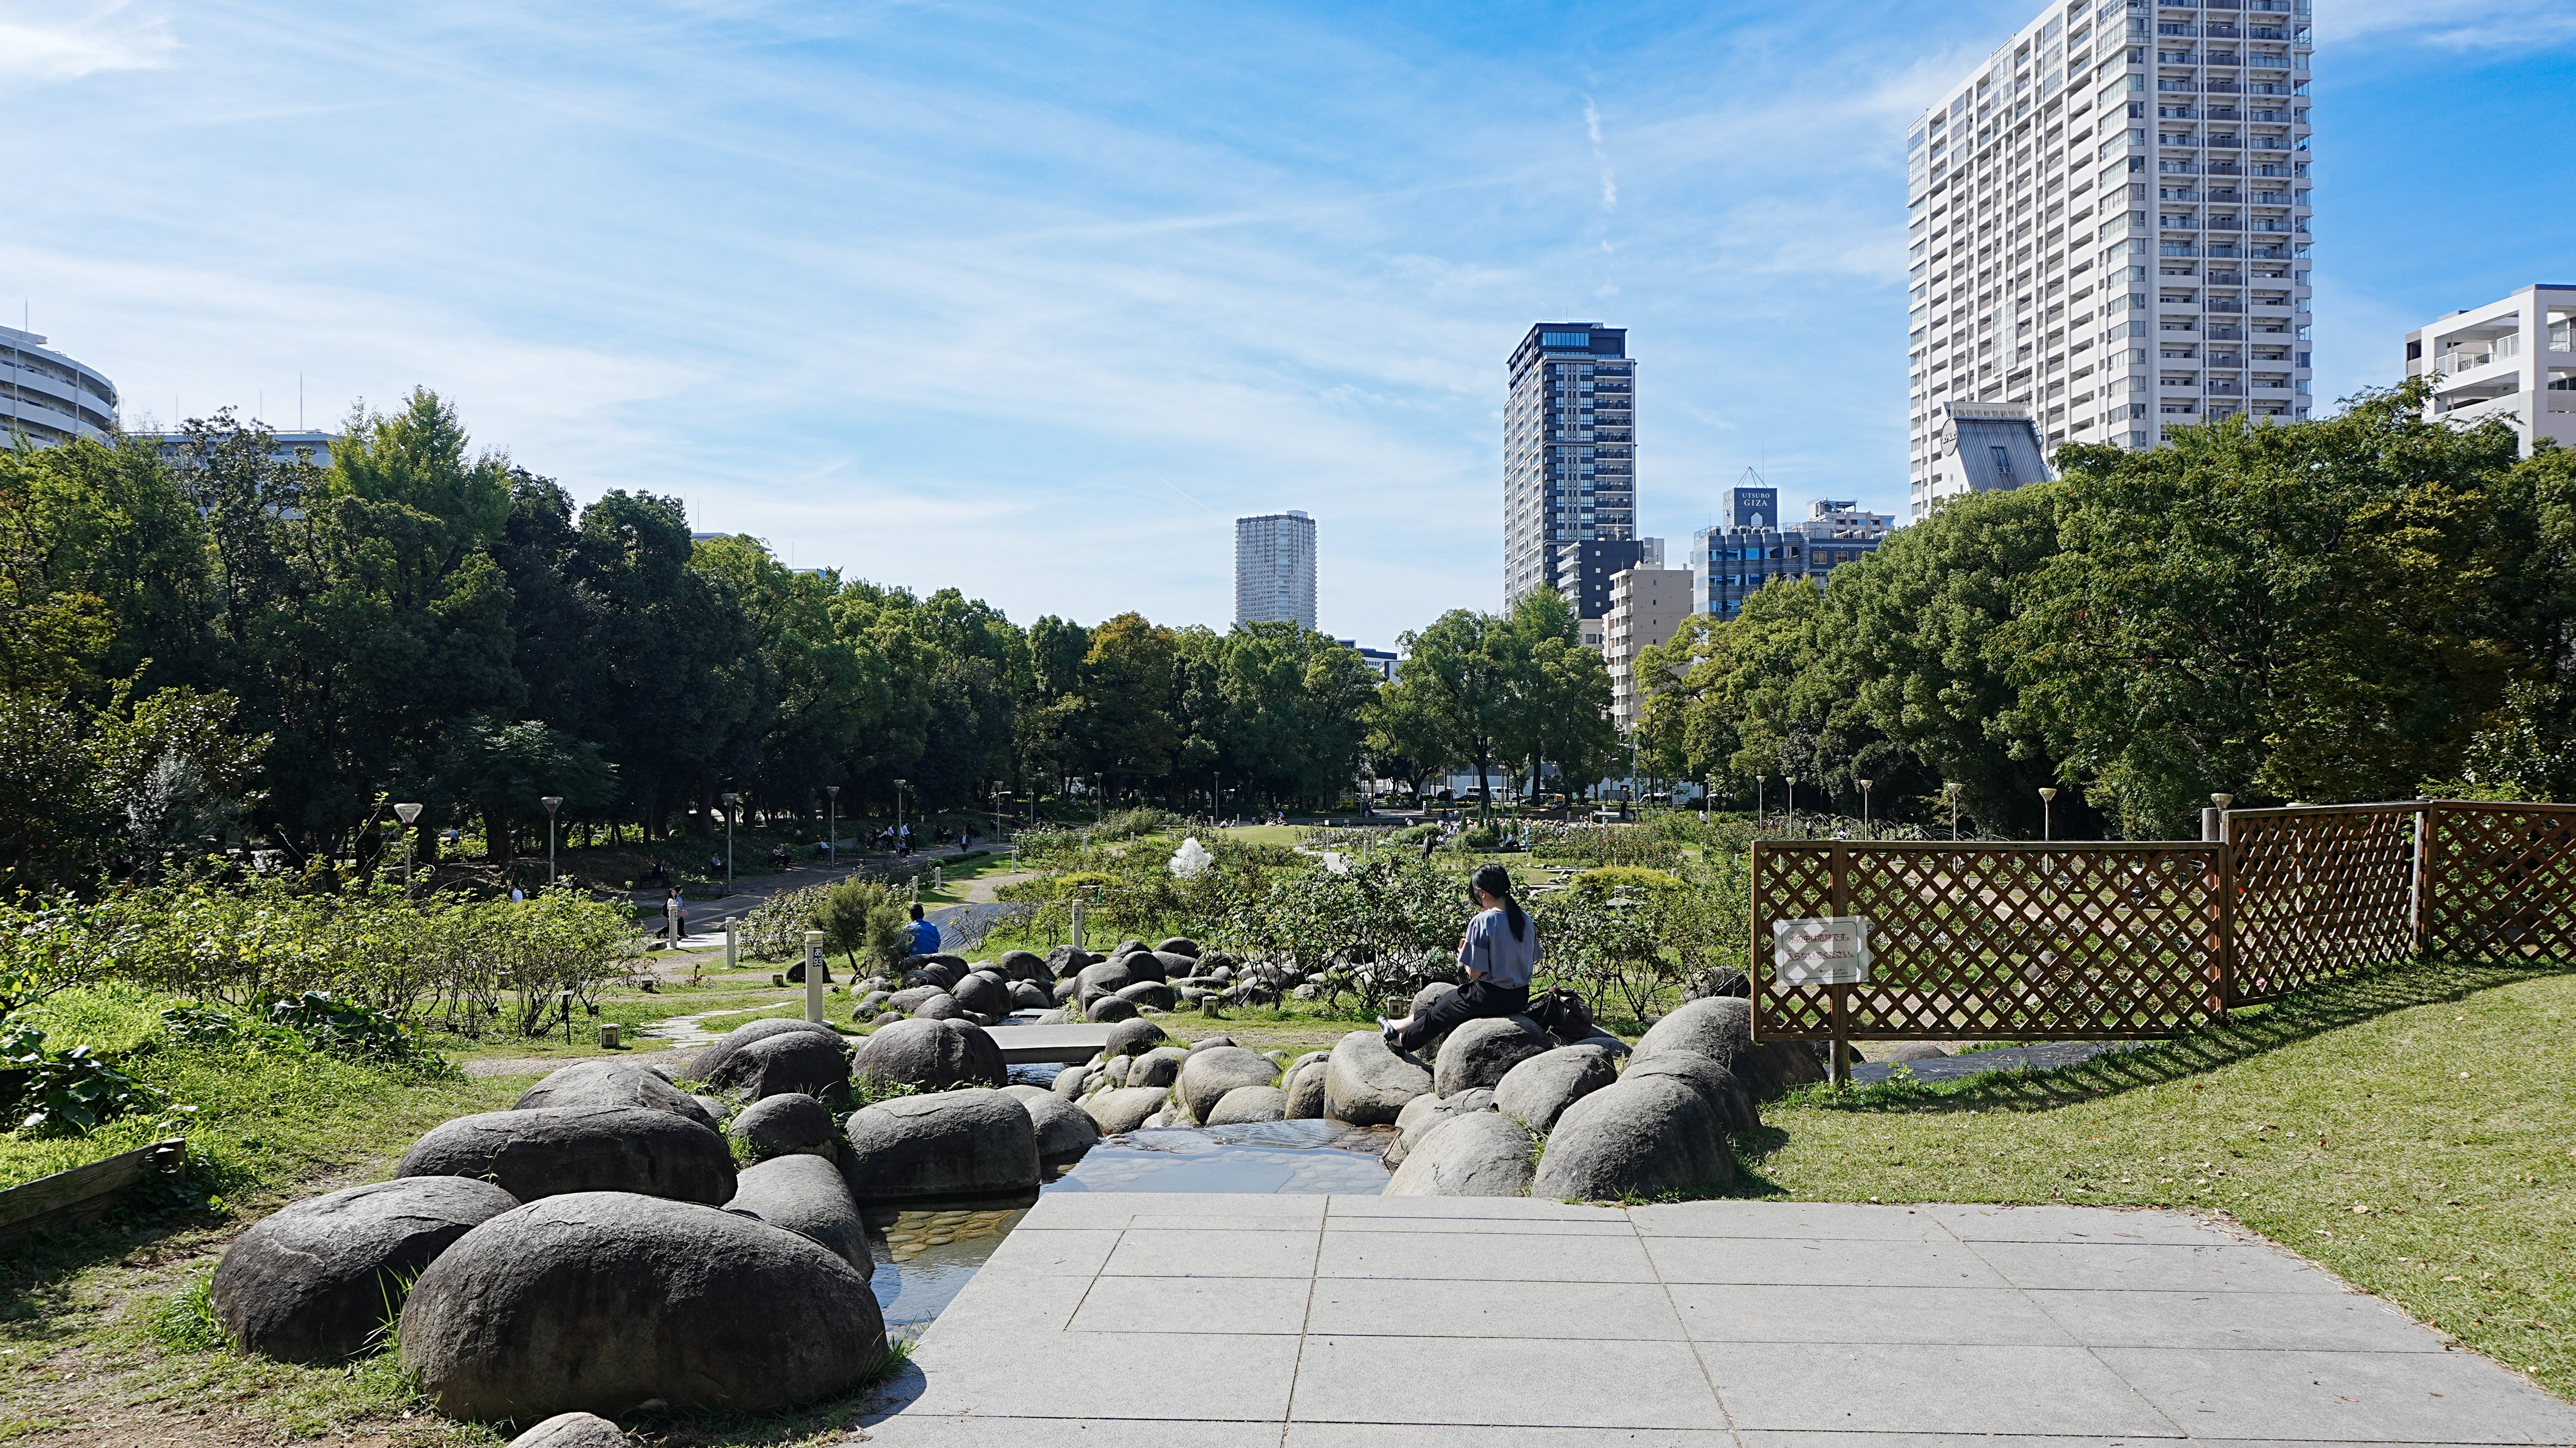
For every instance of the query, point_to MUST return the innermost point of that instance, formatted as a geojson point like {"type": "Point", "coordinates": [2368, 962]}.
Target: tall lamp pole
{"type": "Point", "coordinates": [407, 813]}
{"type": "Point", "coordinates": [1864, 809]}
{"type": "Point", "coordinates": [898, 815]}
{"type": "Point", "coordinates": [1761, 809]}
{"type": "Point", "coordinates": [1793, 803]}
{"type": "Point", "coordinates": [832, 823]}
{"type": "Point", "coordinates": [729, 799]}
{"type": "Point", "coordinates": [552, 802]}
{"type": "Point", "coordinates": [1952, 789]}
{"type": "Point", "coordinates": [2047, 814]}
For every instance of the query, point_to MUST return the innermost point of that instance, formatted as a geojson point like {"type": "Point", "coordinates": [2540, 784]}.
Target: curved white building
{"type": "Point", "coordinates": [48, 397]}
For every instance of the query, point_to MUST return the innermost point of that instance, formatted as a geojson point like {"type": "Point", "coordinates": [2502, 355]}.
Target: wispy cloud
{"type": "Point", "coordinates": [2450, 24]}
{"type": "Point", "coordinates": [58, 40]}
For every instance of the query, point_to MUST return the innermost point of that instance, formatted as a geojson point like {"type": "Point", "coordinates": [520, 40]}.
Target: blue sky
{"type": "Point", "coordinates": [1033, 301]}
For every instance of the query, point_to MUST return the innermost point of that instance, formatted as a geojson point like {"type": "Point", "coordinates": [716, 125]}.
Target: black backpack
{"type": "Point", "coordinates": [1562, 1014]}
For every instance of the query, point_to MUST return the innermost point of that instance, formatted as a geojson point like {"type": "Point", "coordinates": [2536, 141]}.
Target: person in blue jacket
{"type": "Point", "coordinates": [925, 935]}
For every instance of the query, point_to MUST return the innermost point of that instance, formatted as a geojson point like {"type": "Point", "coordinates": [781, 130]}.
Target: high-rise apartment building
{"type": "Point", "coordinates": [47, 397]}
{"type": "Point", "coordinates": [1647, 606]}
{"type": "Point", "coordinates": [2513, 359]}
{"type": "Point", "coordinates": [2107, 224]}
{"type": "Point", "coordinates": [1274, 568]}
{"type": "Point", "coordinates": [1569, 450]}
{"type": "Point", "coordinates": [1584, 570]}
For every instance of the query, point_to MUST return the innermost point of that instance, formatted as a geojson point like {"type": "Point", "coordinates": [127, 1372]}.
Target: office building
{"type": "Point", "coordinates": [1647, 606]}
{"type": "Point", "coordinates": [2513, 359]}
{"type": "Point", "coordinates": [48, 398]}
{"type": "Point", "coordinates": [1274, 568]}
{"type": "Point", "coordinates": [1828, 518]}
{"type": "Point", "coordinates": [1731, 563]}
{"type": "Point", "coordinates": [1380, 662]}
{"type": "Point", "coordinates": [1569, 450]}
{"type": "Point", "coordinates": [284, 447]}
{"type": "Point", "coordinates": [2107, 224]}
{"type": "Point", "coordinates": [1584, 570]}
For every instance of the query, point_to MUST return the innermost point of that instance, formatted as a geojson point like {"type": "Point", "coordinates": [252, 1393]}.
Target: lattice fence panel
{"type": "Point", "coordinates": [2064, 942]}
{"type": "Point", "coordinates": [2319, 891]}
{"type": "Point", "coordinates": [2502, 882]}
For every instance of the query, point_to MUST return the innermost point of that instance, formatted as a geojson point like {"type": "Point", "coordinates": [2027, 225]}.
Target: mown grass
{"type": "Point", "coordinates": [2410, 1129]}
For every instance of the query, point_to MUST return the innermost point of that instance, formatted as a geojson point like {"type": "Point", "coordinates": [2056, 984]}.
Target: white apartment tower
{"type": "Point", "coordinates": [1274, 568]}
{"type": "Point", "coordinates": [2107, 224]}
{"type": "Point", "coordinates": [1569, 455]}
{"type": "Point", "coordinates": [2513, 360]}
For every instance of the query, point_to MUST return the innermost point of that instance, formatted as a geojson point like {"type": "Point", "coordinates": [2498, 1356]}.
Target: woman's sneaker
{"type": "Point", "coordinates": [1387, 1029]}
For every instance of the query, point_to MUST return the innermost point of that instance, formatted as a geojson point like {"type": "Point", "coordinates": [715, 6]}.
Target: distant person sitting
{"type": "Point", "coordinates": [1498, 954]}
{"type": "Point", "coordinates": [925, 936]}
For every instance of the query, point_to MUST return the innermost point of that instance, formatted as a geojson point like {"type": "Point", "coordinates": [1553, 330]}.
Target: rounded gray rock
{"type": "Point", "coordinates": [796, 973]}
{"type": "Point", "coordinates": [788, 1061]}
{"type": "Point", "coordinates": [1065, 1131]}
{"type": "Point", "coordinates": [790, 1121]}
{"type": "Point", "coordinates": [1721, 1028]}
{"type": "Point", "coordinates": [1107, 978]}
{"type": "Point", "coordinates": [1127, 947]}
{"type": "Point", "coordinates": [1109, 1008]}
{"type": "Point", "coordinates": [940, 1007]}
{"type": "Point", "coordinates": [552, 1150]}
{"type": "Point", "coordinates": [1206, 1076]}
{"type": "Point", "coordinates": [713, 1057]}
{"type": "Point", "coordinates": [1641, 1137]}
{"type": "Point", "coordinates": [1468, 1154]}
{"type": "Point", "coordinates": [933, 1055]}
{"type": "Point", "coordinates": [1305, 1087]}
{"type": "Point", "coordinates": [310, 1282]}
{"type": "Point", "coordinates": [572, 1430]}
{"type": "Point", "coordinates": [1028, 995]}
{"type": "Point", "coordinates": [1423, 1113]}
{"type": "Point", "coordinates": [1066, 961]}
{"type": "Point", "coordinates": [1150, 993]}
{"type": "Point", "coordinates": [1132, 1037]}
{"type": "Point", "coordinates": [1366, 1083]}
{"type": "Point", "coordinates": [806, 1195]}
{"type": "Point", "coordinates": [1022, 965]}
{"type": "Point", "coordinates": [601, 1301]}
{"type": "Point", "coordinates": [612, 1083]}
{"type": "Point", "coordinates": [1158, 1067]}
{"type": "Point", "coordinates": [1537, 1091]}
{"type": "Point", "coordinates": [949, 1146]}
{"type": "Point", "coordinates": [1723, 1088]}
{"type": "Point", "coordinates": [1247, 1104]}
{"type": "Point", "coordinates": [1479, 1052]}
{"type": "Point", "coordinates": [984, 994]}
{"type": "Point", "coordinates": [1178, 945]}
{"type": "Point", "coordinates": [913, 997]}
{"type": "Point", "coordinates": [1123, 1109]}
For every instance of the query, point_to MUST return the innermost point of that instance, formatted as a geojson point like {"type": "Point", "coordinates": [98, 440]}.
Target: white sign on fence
{"type": "Point", "coordinates": [1833, 950]}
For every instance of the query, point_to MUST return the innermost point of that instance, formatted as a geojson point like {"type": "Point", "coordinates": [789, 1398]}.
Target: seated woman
{"type": "Point", "coordinates": [1498, 953]}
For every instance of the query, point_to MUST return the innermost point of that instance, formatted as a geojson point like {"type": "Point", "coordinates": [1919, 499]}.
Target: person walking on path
{"type": "Point", "coordinates": [1499, 952]}
{"type": "Point", "coordinates": [925, 935]}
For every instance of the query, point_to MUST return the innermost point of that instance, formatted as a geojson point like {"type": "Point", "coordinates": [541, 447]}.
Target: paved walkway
{"type": "Point", "coordinates": [1167, 1321]}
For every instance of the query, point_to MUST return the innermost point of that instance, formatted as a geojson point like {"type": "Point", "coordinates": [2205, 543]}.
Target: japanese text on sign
{"type": "Point", "coordinates": [1833, 950]}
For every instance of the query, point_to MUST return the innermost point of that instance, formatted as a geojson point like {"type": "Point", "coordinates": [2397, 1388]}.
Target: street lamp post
{"type": "Point", "coordinates": [2047, 813]}
{"type": "Point", "coordinates": [1952, 789]}
{"type": "Point", "coordinates": [832, 823]}
{"type": "Point", "coordinates": [406, 813]}
{"type": "Point", "coordinates": [1864, 809]}
{"type": "Point", "coordinates": [1761, 784]}
{"type": "Point", "coordinates": [1099, 806]}
{"type": "Point", "coordinates": [729, 799]}
{"type": "Point", "coordinates": [1792, 826]}
{"type": "Point", "coordinates": [552, 802]}
{"type": "Point", "coordinates": [898, 814]}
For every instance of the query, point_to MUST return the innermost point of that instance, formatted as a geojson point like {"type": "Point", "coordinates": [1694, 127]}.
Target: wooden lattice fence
{"type": "Point", "coordinates": [2129, 940]}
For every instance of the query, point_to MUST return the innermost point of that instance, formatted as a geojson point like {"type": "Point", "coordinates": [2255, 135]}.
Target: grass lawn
{"type": "Point", "coordinates": [1269, 834]}
{"type": "Point", "coordinates": [2412, 1130]}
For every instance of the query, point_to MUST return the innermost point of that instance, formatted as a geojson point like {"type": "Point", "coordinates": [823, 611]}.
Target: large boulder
{"type": "Point", "coordinates": [713, 1057]}
{"type": "Point", "coordinates": [1207, 1075]}
{"type": "Point", "coordinates": [1537, 1091]}
{"type": "Point", "coordinates": [1151, 993]}
{"type": "Point", "coordinates": [940, 1007]}
{"type": "Point", "coordinates": [603, 1301]}
{"type": "Point", "coordinates": [913, 997]}
{"type": "Point", "coordinates": [1128, 947]}
{"type": "Point", "coordinates": [1066, 961]}
{"type": "Point", "coordinates": [796, 973]}
{"type": "Point", "coordinates": [311, 1282]}
{"type": "Point", "coordinates": [1366, 1082]}
{"type": "Point", "coordinates": [1305, 1088]}
{"type": "Point", "coordinates": [1022, 965]}
{"type": "Point", "coordinates": [949, 1146]}
{"type": "Point", "coordinates": [1480, 1051]}
{"type": "Point", "coordinates": [1468, 1154]}
{"type": "Point", "coordinates": [1721, 1028]}
{"type": "Point", "coordinates": [1143, 965]}
{"type": "Point", "coordinates": [612, 1083]}
{"type": "Point", "coordinates": [573, 1430]}
{"type": "Point", "coordinates": [923, 972]}
{"type": "Point", "coordinates": [1168, 965]}
{"type": "Point", "coordinates": [1178, 945]}
{"type": "Point", "coordinates": [957, 964]}
{"type": "Point", "coordinates": [1133, 1037]}
{"type": "Point", "coordinates": [1158, 1067]}
{"type": "Point", "coordinates": [806, 1195]}
{"type": "Point", "coordinates": [1425, 1112]}
{"type": "Point", "coordinates": [1247, 1104]}
{"type": "Point", "coordinates": [1107, 978]}
{"type": "Point", "coordinates": [1028, 995]}
{"type": "Point", "coordinates": [790, 1121]}
{"type": "Point", "coordinates": [983, 994]}
{"type": "Point", "coordinates": [551, 1150]}
{"type": "Point", "coordinates": [933, 1055]}
{"type": "Point", "coordinates": [799, 1061]}
{"type": "Point", "coordinates": [1104, 1009]}
{"type": "Point", "coordinates": [1065, 1131]}
{"type": "Point", "coordinates": [1641, 1137]}
{"type": "Point", "coordinates": [1124, 1108]}
{"type": "Point", "coordinates": [1724, 1089]}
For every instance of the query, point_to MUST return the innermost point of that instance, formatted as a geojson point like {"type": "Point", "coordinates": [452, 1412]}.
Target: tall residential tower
{"type": "Point", "coordinates": [2108, 225]}
{"type": "Point", "coordinates": [1274, 568]}
{"type": "Point", "coordinates": [1569, 450]}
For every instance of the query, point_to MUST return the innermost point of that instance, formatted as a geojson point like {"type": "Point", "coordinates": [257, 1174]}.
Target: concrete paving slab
{"type": "Point", "coordinates": [1440, 1323]}
{"type": "Point", "coordinates": [1524, 1382]}
{"type": "Point", "coordinates": [1574, 1311]}
{"type": "Point", "coordinates": [1727, 1313]}
{"type": "Point", "coordinates": [1771, 1261]}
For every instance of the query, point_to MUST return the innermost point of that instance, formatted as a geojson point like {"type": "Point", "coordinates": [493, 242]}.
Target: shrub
{"type": "Point", "coordinates": [67, 1093]}
{"type": "Point", "coordinates": [863, 918]}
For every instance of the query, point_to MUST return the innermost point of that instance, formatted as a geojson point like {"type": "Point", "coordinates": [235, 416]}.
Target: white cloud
{"type": "Point", "coordinates": [46, 40]}
{"type": "Point", "coordinates": [2450, 24]}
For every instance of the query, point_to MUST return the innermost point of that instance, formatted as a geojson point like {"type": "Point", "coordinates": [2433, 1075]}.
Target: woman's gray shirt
{"type": "Point", "coordinates": [1490, 950]}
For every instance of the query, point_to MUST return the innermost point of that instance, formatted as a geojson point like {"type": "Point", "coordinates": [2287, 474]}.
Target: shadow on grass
{"type": "Point", "coordinates": [2249, 1033]}
{"type": "Point", "coordinates": [35, 1271]}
